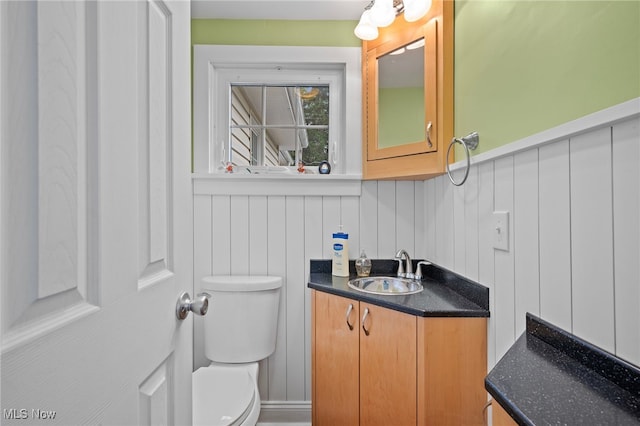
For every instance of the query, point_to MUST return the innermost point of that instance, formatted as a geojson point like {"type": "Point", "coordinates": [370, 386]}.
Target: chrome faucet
{"type": "Point", "coordinates": [400, 255]}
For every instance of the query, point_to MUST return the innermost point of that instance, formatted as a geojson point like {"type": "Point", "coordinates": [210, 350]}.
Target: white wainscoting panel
{"type": "Point", "coordinates": [420, 223]}
{"type": "Point", "coordinates": [405, 217]}
{"type": "Point", "coordinates": [504, 289]}
{"type": "Point", "coordinates": [386, 219]}
{"type": "Point", "coordinates": [486, 262]}
{"type": "Point", "coordinates": [459, 232]}
{"type": "Point", "coordinates": [554, 227]}
{"type": "Point", "coordinates": [525, 238]}
{"type": "Point", "coordinates": [430, 224]}
{"type": "Point", "coordinates": [277, 265]}
{"type": "Point", "coordinates": [592, 237]}
{"type": "Point", "coordinates": [471, 218]}
{"type": "Point", "coordinates": [369, 218]}
{"type": "Point", "coordinates": [444, 227]}
{"type": "Point", "coordinates": [626, 237]}
{"type": "Point", "coordinates": [574, 233]}
{"type": "Point", "coordinates": [278, 235]}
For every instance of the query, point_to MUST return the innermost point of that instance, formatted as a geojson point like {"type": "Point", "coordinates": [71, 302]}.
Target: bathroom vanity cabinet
{"type": "Point", "coordinates": [373, 365]}
{"type": "Point", "coordinates": [407, 74]}
{"type": "Point", "coordinates": [500, 417]}
{"type": "Point", "coordinates": [361, 378]}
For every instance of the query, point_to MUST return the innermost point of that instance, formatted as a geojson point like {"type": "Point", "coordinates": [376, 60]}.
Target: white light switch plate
{"type": "Point", "coordinates": [500, 229]}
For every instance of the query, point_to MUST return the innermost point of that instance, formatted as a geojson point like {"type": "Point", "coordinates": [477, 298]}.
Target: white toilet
{"type": "Point", "coordinates": [239, 330]}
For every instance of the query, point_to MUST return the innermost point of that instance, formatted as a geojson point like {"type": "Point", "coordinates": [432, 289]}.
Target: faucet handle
{"type": "Point", "coordinates": [400, 268]}
{"type": "Point", "coordinates": [418, 274]}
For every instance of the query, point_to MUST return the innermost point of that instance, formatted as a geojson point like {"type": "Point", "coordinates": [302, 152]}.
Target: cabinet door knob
{"type": "Point", "coordinates": [349, 309]}
{"type": "Point", "coordinates": [428, 134]}
{"type": "Point", "coordinates": [364, 317]}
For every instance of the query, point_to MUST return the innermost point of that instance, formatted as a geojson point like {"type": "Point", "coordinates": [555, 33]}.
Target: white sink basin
{"type": "Point", "coordinates": [386, 285]}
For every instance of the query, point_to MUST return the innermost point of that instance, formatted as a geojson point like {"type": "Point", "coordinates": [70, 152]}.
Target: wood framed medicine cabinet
{"type": "Point", "coordinates": [406, 130]}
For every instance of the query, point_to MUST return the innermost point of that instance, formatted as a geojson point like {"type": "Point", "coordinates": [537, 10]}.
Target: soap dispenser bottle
{"type": "Point", "coordinates": [363, 265]}
{"type": "Point", "coordinates": [340, 257]}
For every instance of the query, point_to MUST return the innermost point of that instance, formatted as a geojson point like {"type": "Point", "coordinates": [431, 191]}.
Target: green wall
{"type": "Point", "coordinates": [521, 67]}
{"type": "Point", "coordinates": [274, 32]}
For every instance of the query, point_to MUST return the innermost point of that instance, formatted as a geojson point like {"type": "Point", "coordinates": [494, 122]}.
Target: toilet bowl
{"type": "Point", "coordinates": [226, 395]}
{"type": "Point", "coordinates": [239, 330]}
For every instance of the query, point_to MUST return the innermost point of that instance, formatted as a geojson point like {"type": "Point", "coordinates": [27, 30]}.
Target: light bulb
{"type": "Point", "coordinates": [415, 9]}
{"type": "Point", "coordinates": [416, 44]}
{"type": "Point", "coordinates": [365, 30]}
{"type": "Point", "coordinates": [383, 13]}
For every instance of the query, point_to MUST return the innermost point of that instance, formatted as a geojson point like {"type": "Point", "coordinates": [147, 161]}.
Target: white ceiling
{"type": "Point", "coordinates": [279, 9]}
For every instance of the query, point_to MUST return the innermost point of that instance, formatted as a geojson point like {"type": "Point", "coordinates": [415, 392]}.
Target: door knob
{"type": "Point", "coordinates": [199, 305]}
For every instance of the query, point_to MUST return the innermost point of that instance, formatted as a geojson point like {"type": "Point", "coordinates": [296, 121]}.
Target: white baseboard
{"type": "Point", "coordinates": [285, 412]}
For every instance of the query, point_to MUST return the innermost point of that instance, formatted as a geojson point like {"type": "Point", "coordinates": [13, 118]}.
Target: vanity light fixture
{"type": "Point", "coordinates": [415, 9]}
{"type": "Point", "coordinates": [365, 30]}
{"type": "Point", "coordinates": [382, 13]}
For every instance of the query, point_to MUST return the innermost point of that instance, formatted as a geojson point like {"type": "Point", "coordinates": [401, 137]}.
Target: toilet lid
{"type": "Point", "coordinates": [221, 397]}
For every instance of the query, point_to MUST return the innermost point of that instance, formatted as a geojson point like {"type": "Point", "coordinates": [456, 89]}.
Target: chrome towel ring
{"type": "Point", "coordinates": [469, 142]}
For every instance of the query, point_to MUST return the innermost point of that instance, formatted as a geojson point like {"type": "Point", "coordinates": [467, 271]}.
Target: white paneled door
{"type": "Point", "coordinates": [96, 223]}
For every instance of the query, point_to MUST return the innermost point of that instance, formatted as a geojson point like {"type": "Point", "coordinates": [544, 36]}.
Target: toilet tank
{"type": "Point", "coordinates": [242, 320]}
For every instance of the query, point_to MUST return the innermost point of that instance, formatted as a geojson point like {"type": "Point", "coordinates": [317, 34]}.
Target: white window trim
{"type": "Point", "coordinates": [305, 185]}
{"type": "Point", "coordinates": [212, 59]}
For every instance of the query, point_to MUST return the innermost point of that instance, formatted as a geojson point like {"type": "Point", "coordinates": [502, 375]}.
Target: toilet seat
{"type": "Point", "coordinates": [223, 396]}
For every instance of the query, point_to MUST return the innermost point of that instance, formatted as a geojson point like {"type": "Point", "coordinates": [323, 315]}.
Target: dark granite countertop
{"type": "Point", "coordinates": [551, 377]}
{"type": "Point", "coordinates": [445, 293]}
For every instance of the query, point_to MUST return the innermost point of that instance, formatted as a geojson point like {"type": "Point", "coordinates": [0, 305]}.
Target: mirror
{"type": "Point", "coordinates": [401, 91]}
{"type": "Point", "coordinates": [401, 106]}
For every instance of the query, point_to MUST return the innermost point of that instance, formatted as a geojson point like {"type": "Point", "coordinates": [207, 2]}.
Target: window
{"type": "Point", "coordinates": [278, 125]}
{"type": "Point", "coordinates": [265, 109]}
{"type": "Point", "coordinates": [270, 118]}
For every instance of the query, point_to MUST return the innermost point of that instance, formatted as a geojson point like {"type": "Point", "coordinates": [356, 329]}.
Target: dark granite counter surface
{"type": "Point", "coordinates": [551, 377]}
{"type": "Point", "coordinates": [445, 293]}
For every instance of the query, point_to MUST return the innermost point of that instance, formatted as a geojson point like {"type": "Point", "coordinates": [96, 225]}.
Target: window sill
{"type": "Point", "coordinates": [307, 185]}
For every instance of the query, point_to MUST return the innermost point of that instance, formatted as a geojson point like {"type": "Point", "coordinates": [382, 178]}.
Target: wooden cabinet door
{"type": "Point", "coordinates": [453, 364]}
{"type": "Point", "coordinates": [335, 394]}
{"type": "Point", "coordinates": [387, 367]}
{"type": "Point", "coordinates": [500, 416]}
